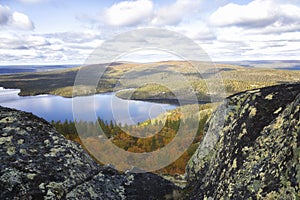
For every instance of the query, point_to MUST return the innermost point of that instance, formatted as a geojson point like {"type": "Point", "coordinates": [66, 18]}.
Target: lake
{"type": "Point", "coordinates": [106, 106]}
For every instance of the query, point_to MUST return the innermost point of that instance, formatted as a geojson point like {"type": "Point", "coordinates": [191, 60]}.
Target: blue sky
{"type": "Point", "coordinates": [67, 31]}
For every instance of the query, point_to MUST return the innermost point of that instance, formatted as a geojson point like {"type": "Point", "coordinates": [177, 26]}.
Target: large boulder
{"type": "Point", "coordinates": [251, 149]}
{"type": "Point", "coordinates": [39, 163]}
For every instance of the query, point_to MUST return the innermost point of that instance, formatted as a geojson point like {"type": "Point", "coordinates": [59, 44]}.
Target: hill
{"type": "Point", "coordinates": [119, 76]}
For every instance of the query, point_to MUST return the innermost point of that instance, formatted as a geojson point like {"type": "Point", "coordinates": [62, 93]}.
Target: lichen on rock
{"type": "Point", "coordinates": [39, 163]}
{"type": "Point", "coordinates": [257, 152]}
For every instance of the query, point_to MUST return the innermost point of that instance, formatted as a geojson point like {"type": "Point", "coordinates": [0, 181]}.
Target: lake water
{"type": "Point", "coordinates": [106, 106]}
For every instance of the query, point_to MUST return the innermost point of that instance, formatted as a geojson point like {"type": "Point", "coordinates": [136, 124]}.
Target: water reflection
{"type": "Point", "coordinates": [106, 106]}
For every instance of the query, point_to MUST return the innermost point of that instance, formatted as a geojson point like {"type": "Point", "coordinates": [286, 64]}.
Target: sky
{"type": "Point", "coordinates": [68, 31]}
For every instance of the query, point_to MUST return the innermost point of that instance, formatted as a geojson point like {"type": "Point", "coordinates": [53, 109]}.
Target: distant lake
{"type": "Point", "coordinates": [106, 106]}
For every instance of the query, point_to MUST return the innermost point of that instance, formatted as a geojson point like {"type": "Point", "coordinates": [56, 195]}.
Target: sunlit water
{"type": "Point", "coordinates": [106, 106]}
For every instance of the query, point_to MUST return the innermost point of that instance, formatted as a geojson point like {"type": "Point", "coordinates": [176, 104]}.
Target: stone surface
{"type": "Point", "coordinates": [39, 163]}
{"type": "Point", "coordinates": [251, 148]}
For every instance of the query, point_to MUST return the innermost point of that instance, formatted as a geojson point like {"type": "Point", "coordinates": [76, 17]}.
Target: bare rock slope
{"type": "Point", "coordinates": [39, 163]}
{"type": "Point", "coordinates": [251, 149]}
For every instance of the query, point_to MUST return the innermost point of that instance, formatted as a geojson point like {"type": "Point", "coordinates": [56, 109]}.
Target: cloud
{"type": "Point", "coordinates": [14, 41]}
{"type": "Point", "coordinates": [4, 14]}
{"type": "Point", "coordinates": [174, 13]}
{"type": "Point", "coordinates": [133, 13]}
{"type": "Point", "coordinates": [21, 21]}
{"type": "Point", "coordinates": [128, 13]}
{"type": "Point", "coordinates": [14, 19]}
{"type": "Point", "coordinates": [63, 47]}
{"type": "Point", "coordinates": [76, 37]}
{"type": "Point", "coordinates": [202, 32]}
{"type": "Point", "coordinates": [233, 43]}
{"type": "Point", "coordinates": [256, 14]}
{"type": "Point", "coordinates": [261, 29]}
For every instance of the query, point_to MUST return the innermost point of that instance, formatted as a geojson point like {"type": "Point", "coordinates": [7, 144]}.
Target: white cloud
{"type": "Point", "coordinates": [261, 29]}
{"type": "Point", "coordinates": [143, 12]}
{"type": "Point", "coordinates": [196, 30]}
{"type": "Point", "coordinates": [133, 13]}
{"type": "Point", "coordinates": [235, 44]}
{"type": "Point", "coordinates": [62, 47]}
{"type": "Point", "coordinates": [21, 21]}
{"type": "Point", "coordinates": [174, 13]}
{"type": "Point", "coordinates": [256, 30]}
{"type": "Point", "coordinates": [14, 19]}
{"type": "Point", "coordinates": [16, 41]}
{"type": "Point", "coordinates": [256, 14]}
{"type": "Point", "coordinates": [76, 37]}
{"type": "Point", "coordinates": [129, 13]}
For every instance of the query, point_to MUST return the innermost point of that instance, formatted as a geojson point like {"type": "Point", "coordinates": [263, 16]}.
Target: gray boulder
{"type": "Point", "coordinates": [251, 149]}
{"type": "Point", "coordinates": [39, 163]}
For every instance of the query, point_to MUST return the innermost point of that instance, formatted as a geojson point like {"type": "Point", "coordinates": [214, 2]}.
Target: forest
{"type": "Point", "coordinates": [165, 132]}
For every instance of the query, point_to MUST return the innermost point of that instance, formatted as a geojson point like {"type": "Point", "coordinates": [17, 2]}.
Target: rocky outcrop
{"type": "Point", "coordinates": [251, 149]}
{"type": "Point", "coordinates": [39, 163]}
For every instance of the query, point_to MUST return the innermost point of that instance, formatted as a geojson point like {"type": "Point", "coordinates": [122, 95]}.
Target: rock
{"type": "Point", "coordinates": [39, 163]}
{"type": "Point", "coordinates": [146, 183]}
{"type": "Point", "coordinates": [252, 150]}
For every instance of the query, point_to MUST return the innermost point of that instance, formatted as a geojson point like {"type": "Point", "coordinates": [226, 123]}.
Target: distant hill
{"type": "Point", "coordinates": [271, 64]}
{"type": "Point", "coordinates": [120, 76]}
{"type": "Point", "coordinates": [15, 69]}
